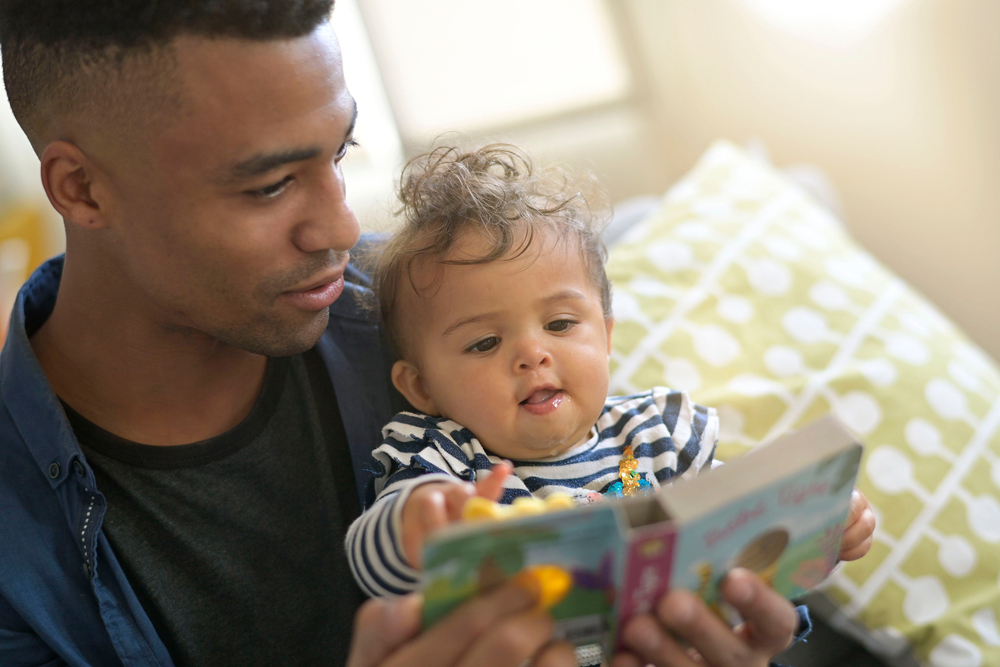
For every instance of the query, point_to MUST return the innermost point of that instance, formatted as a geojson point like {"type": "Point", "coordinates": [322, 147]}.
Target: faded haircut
{"type": "Point", "coordinates": [59, 55]}
{"type": "Point", "coordinates": [493, 191]}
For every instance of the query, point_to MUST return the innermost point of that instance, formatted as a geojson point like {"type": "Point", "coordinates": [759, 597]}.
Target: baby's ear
{"type": "Point", "coordinates": [407, 379]}
{"type": "Point", "coordinates": [609, 322]}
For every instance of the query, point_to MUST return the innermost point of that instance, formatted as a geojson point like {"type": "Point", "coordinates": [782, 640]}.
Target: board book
{"type": "Point", "coordinates": [778, 511]}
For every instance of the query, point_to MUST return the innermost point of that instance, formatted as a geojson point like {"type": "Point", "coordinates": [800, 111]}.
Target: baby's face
{"type": "Point", "coordinates": [514, 350]}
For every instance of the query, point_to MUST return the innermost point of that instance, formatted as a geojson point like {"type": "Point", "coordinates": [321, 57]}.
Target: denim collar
{"type": "Point", "coordinates": [24, 388]}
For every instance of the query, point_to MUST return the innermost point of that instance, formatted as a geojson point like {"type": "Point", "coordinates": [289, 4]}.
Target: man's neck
{"type": "Point", "coordinates": [141, 381]}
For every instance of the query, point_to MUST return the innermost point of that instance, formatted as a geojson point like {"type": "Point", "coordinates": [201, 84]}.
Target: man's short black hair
{"type": "Point", "coordinates": [128, 23]}
{"type": "Point", "coordinates": [46, 43]}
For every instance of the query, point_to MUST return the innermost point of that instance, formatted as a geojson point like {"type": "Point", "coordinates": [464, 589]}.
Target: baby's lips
{"type": "Point", "coordinates": [540, 396]}
{"type": "Point", "coordinates": [551, 582]}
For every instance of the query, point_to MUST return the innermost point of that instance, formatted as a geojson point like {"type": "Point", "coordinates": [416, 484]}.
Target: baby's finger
{"type": "Point", "coordinates": [859, 531]}
{"type": "Point", "coordinates": [434, 510]}
{"type": "Point", "coordinates": [858, 505]}
{"type": "Point", "coordinates": [857, 551]}
{"type": "Point", "coordinates": [455, 496]}
{"type": "Point", "coordinates": [424, 513]}
{"type": "Point", "coordinates": [491, 487]}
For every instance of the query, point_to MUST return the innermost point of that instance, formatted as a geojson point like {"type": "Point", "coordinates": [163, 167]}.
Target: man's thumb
{"type": "Point", "coordinates": [381, 627]}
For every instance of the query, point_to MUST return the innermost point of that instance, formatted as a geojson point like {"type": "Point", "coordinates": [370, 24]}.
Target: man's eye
{"type": "Point", "coordinates": [272, 190]}
{"type": "Point", "coordinates": [560, 325]}
{"type": "Point", "coordinates": [350, 143]}
{"type": "Point", "coordinates": [485, 345]}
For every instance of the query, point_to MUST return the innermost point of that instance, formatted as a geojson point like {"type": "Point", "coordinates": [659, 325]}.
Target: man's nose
{"type": "Point", "coordinates": [329, 222]}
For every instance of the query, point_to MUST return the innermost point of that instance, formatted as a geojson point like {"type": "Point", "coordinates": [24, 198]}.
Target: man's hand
{"type": "Point", "coordinates": [860, 528]}
{"type": "Point", "coordinates": [434, 505]}
{"type": "Point", "coordinates": [501, 629]}
{"type": "Point", "coordinates": [771, 622]}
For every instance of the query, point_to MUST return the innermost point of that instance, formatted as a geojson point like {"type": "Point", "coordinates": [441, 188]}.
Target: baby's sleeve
{"type": "Point", "coordinates": [694, 429]}
{"type": "Point", "coordinates": [374, 541]}
{"type": "Point", "coordinates": [375, 550]}
{"type": "Point", "coordinates": [375, 546]}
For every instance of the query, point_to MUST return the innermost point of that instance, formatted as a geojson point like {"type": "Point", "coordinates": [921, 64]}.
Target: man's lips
{"type": "Point", "coordinates": [319, 294]}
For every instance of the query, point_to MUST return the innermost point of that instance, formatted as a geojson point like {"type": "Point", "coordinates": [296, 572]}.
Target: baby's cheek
{"type": "Point", "coordinates": [478, 407]}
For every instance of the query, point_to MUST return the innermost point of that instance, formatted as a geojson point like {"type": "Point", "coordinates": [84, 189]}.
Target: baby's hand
{"type": "Point", "coordinates": [860, 528]}
{"type": "Point", "coordinates": [434, 505]}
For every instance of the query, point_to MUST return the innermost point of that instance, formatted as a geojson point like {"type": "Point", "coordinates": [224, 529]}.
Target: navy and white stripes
{"type": "Point", "coordinates": [670, 436]}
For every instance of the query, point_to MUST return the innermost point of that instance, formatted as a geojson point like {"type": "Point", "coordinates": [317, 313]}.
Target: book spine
{"type": "Point", "coordinates": [646, 577]}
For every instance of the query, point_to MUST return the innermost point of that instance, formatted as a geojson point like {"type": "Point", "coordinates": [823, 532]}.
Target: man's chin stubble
{"type": "Point", "coordinates": [278, 339]}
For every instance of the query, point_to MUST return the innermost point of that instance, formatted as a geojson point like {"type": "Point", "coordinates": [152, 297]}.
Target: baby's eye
{"type": "Point", "coordinates": [485, 345]}
{"type": "Point", "coordinates": [560, 325]}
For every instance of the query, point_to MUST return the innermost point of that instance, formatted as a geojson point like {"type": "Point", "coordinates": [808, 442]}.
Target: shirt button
{"type": "Point", "coordinates": [54, 470]}
{"type": "Point", "coordinates": [78, 467]}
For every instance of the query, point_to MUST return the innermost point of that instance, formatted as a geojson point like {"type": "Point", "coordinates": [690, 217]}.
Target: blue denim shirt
{"type": "Point", "coordinates": [64, 598]}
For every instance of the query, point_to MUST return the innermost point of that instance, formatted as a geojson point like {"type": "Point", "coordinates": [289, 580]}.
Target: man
{"type": "Point", "coordinates": [190, 395]}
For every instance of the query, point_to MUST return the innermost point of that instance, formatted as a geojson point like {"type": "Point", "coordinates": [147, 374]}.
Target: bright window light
{"type": "Point", "coordinates": [831, 22]}
{"type": "Point", "coordinates": [473, 65]}
{"type": "Point", "coordinates": [368, 169]}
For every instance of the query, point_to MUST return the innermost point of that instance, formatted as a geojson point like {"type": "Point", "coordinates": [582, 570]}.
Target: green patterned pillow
{"type": "Point", "coordinates": [747, 293]}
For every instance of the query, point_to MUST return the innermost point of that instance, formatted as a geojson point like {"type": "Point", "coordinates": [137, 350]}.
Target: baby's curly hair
{"type": "Point", "coordinates": [494, 191]}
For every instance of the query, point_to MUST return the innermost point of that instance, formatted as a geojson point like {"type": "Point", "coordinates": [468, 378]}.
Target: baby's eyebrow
{"type": "Point", "coordinates": [566, 294]}
{"type": "Point", "coordinates": [469, 320]}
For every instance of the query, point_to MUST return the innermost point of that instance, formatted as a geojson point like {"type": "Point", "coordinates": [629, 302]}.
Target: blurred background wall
{"type": "Point", "coordinates": [895, 100]}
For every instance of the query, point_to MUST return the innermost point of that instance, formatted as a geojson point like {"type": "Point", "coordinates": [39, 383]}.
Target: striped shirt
{"type": "Point", "coordinates": [670, 437]}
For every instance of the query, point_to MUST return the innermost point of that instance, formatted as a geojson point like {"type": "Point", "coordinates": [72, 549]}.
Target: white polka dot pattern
{"type": "Point", "coordinates": [743, 291]}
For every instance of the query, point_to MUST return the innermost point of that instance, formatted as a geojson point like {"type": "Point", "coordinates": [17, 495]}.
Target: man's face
{"type": "Point", "coordinates": [232, 221]}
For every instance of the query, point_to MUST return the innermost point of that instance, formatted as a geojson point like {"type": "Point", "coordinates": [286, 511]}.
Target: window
{"type": "Point", "coordinates": [477, 65]}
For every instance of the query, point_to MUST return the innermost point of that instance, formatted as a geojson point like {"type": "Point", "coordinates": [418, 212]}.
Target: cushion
{"type": "Point", "coordinates": [749, 294]}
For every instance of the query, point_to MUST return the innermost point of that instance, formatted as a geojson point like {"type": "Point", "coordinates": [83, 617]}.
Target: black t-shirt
{"type": "Point", "coordinates": [234, 545]}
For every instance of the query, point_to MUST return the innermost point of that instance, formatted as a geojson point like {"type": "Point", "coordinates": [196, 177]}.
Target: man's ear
{"type": "Point", "coordinates": [609, 322]}
{"type": "Point", "coordinates": [407, 379]}
{"type": "Point", "coordinates": [68, 176]}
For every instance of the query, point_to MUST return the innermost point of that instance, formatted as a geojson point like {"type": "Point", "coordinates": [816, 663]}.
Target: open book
{"type": "Point", "coordinates": [778, 511]}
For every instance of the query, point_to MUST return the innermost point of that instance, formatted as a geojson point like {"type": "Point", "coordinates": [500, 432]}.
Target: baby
{"type": "Point", "coordinates": [495, 300]}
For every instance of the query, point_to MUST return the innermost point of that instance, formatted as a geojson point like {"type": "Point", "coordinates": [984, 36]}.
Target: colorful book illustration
{"type": "Point", "coordinates": [778, 511]}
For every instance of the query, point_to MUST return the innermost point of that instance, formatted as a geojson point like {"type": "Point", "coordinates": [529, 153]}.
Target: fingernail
{"type": "Point", "coordinates": [738, 587]}
{"type": "Point", "coordinates": [550, 584]}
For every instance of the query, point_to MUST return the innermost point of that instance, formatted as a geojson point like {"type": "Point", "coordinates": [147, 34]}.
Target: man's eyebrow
{"type": "Point", "coordinates": [262, 163]}
{"type": "Point", "coordinates": [265, 162]}
{"type": "Point", "coordinates": [354, 120]}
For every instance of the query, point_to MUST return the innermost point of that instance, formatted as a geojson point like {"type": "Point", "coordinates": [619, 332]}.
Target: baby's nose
{"type": "Point", "coordinates": [532, 355]}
